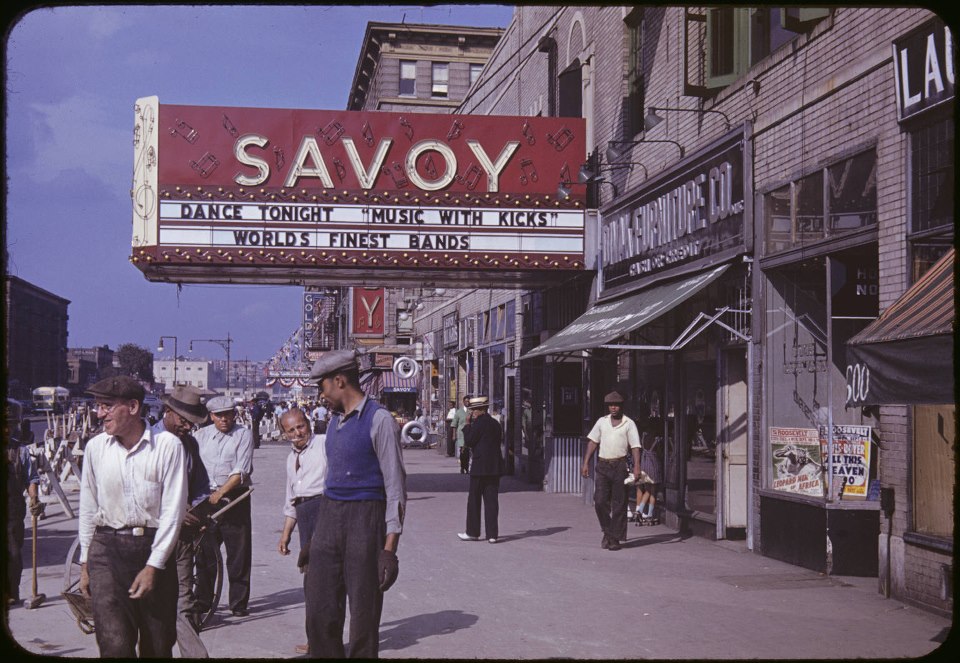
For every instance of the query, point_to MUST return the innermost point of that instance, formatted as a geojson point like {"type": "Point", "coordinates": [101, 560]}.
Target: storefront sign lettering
{"type": "Point", "coordinates": [924, 68]}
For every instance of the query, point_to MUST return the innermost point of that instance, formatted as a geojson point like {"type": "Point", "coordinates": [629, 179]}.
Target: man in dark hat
{"type": "Point", "coordinates": [482, 435]}
{"type": "Point", "coordinates": [226, 449]}
{"type": "Point", "coordinates": [182, 411]}
{"type": "Point", "coordinates": [132, 500]}
{"type": "Point", "coordinates": [615, 435]}
{"type": "Point", "coordinates": [353, 555]}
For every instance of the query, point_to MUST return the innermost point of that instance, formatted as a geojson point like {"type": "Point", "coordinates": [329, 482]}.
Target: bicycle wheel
{"type": "Point", "coordinates": [212, 557]}
{"type": "Point", "coordinates": [79, 604]}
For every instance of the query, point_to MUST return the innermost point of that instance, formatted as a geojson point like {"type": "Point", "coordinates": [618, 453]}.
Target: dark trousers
{"type": "Point", "coordinates": [188, 638]}
{"type": "Point", "coordinates": [234, 532]}
{"type": "Point", "coordinates": [464, 459]}
{"type": "Point", "coordinates": [610, 498]}
{"type": "Point", "coordinates": [307, 520]}
{"type": "Point", "coordinates": [15, 537]}
{"type": "Point", "coordinates": [255, 430]}
{"type": "Point", "coordinates": [114, 560]}
{"type": "Point", "coordinates": [451, 441]}
{"type": "Point", "coordinates": [485, 489]}
{"type": "Point", "coordinates": [343, 567]}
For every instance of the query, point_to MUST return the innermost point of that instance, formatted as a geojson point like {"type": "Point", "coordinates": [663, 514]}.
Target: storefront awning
{"type": "Point", "coordinates": [906, 355]}
{"type": "Point", "coordinates": [610, 320]}
{"type": "Point", "coordinates": [397, 385]}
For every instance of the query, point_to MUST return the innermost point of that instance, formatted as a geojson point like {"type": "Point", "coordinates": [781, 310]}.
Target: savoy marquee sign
{"type": "Point", "coordinates": [254, 195]}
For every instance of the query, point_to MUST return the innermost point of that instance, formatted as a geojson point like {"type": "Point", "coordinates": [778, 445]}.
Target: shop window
{"type": "Point", "coordinates": [408, 78]}
{"type": "Point", "coordinates": [634, 102]}
{"type": "Point", "coordinates": [440, 79]}
{"type": "Point", "coordinates": [934, 461]}
{"type": "Point", "coordinates": [738, 38]}
{"type": "Point", "coordinates": [806, 330]}
{"type": "Point", "coordinates": [803, 212]}
{"type": "Point", "coordinates": [931, 193]}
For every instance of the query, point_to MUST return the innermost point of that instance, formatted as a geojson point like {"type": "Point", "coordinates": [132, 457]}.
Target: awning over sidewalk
{"type": "Point", "coordinates": [906, 355]}
{"type": "Point", "coordinates": [610, 320]}
{"type": "Point", "coordinates": [398, 385]}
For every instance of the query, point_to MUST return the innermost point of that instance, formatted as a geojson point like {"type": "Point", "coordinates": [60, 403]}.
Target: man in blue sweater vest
{"type": "Point", "coordinates": [353, 551]}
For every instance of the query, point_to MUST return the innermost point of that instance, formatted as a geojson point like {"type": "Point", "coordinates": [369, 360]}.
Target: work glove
{"type": "Point", "coordinates": [388, 568]}
{"type": "Point", "coordinates": [36, 508]}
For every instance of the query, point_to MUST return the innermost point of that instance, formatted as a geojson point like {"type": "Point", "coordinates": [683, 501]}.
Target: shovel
{"type": "Point", "coordinates": [37, 599]}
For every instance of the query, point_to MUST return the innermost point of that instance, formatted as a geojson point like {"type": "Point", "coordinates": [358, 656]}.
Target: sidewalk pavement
{"type": "Point", "coordinates": [545, 590]}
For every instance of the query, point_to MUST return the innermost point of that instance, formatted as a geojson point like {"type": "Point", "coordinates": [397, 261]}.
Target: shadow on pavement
{"type": "Point", "coordinates": [450, 482]}
{"type": "Point", "coordinates": [407, 632]}
{"type": "Point", "coordinates": [546, 531]}
{"type": "Point", "coordinates": [261, 607]}
{"type": "Point", "coordinates": [672, 537]}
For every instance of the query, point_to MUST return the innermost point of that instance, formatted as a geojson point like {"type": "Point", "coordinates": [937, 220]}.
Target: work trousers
{"type": "Point", "coordinates": [125, 625]}
{"type": "Point", "coordinates": [485, 489]}
{"type": "Point", "coordinates": [234, 532]}
{"type": "Point", "coordinates": [16, 533]}
{"type": "Point", "coordinates": [343, 567]}
{"type": "Point", "coordinates": [307, 519]}
{"type": "Point", "coordinates": [610, 497]}
{"type": "Point", "coordinates": [451, 440]}
{"type": "Point", "coordinates": [188, 638]}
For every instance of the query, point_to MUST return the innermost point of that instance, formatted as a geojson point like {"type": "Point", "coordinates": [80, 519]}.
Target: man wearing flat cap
{"type": "Point", "coordinates": [182, 410]}
{"type": "Point", "coordinates": [226, 449]}
{"type": "Point", "coordinates": [353, 551]}
{"type": "Point", "coordinates": [615, 435]}
{"type": "Point", "coordinates": [132, 499]}
{"type": "Point", "coordinates": [482, 436]}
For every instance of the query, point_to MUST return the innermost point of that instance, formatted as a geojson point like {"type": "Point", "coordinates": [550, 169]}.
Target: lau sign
{"type": "Point", "coordinates": [923, 64]}
{"type": "Point", "coordinates": [289, 196]}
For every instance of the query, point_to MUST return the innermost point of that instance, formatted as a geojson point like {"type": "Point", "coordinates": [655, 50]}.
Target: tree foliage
{"type": "Point", "coordinates": [135, 361]}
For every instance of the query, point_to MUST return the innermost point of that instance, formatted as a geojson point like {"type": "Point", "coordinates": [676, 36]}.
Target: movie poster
{"type": "Point", "coordinates": [850, 459]}
{"type": "Point", "coordinates": [795, 454]}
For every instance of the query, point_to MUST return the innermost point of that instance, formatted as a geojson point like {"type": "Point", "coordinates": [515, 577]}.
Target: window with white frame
{"type": "Point", "coordinates": [408, 78]}
{"type": "Point", "coordinates": [441, 79]}
{"type": "Point", "coordinates": [475, 70]}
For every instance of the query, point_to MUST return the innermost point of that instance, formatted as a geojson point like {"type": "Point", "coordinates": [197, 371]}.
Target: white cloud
{"type": "Point", "coordinates": [78, 133]}
{"type": "Point", "coordinates": [106, 23]}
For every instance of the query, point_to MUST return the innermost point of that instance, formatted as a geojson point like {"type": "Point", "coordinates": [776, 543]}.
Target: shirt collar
{"type": "Point", "coordinates": [357, 410]}
{"type": "Point", "coordinates": [145, 439]}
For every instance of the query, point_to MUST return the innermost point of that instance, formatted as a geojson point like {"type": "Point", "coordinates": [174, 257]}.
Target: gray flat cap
{"type": "Point", "coordinates": [220, 404]}
{"type": "Point", "coordinates": [333, 362]}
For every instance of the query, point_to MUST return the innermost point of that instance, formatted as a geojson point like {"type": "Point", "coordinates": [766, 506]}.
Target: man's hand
{"type": "Point", "coordinates": [36, 508]}
{"type": "Point", "coordinates": [282, 547]}
{"type": "Point", "coordinates": [191, 520]}
{"type": "Point", "coordinates": [143, 583]}
{"type": "Point", "coordinates": [388, 568]}
{"type": "Point", "coordinates": [84, 580]}
{"type": "Point", "coordinates": [585, 470]}
{"type": "Point", "coordinates": [215, 497]}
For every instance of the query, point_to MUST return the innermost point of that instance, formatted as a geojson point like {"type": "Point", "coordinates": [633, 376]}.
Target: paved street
{"type": "Point", "coordinates": [546, 590]}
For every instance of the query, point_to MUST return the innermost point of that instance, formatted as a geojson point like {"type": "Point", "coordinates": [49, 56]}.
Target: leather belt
{"type": "Point", "coordinates": [300, 500]}
{"type": "Point", "coordinates": [126, 531]}
{"type": "Point", "coordinates": [611, 460]}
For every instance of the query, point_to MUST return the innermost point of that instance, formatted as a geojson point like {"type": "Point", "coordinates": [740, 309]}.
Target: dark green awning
{"type": "Point", "coordinates": [610, 320]}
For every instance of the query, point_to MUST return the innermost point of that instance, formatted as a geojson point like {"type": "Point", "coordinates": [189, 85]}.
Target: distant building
{"type": "Point", "coordinates": [35, 353]}
{"type": "Point", "coordinates": [184, 372]}
{"type": "Point", "coordinates": [86, 365]}
{"type": "Point", "coordinates": [419, 68]}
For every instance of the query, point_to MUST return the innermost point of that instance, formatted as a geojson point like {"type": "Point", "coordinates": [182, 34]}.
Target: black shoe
{"type": "Point", "coordinates": [240, 612]}
{"type": "Point", "coordinates": [605, 543]}
{"type": "Point", "coordinates": [613, 544]}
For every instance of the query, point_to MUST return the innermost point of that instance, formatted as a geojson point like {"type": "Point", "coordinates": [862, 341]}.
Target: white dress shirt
{"type": "Point", "coordinates": [308, 479]}
{"type": "Point", "coordinates": [143, 487]}
{"type": "Point", "coordinates": [224, 454]}
{"type": "Point", "coordinates": [615, 440]}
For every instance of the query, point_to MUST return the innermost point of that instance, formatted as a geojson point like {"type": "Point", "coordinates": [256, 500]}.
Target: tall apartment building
{"type": "Point", "coordinates": [35, 351]}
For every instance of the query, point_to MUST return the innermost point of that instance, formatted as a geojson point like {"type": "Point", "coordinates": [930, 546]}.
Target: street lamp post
{"type": "Point", "coordinates": [223, 343]}
{"type": "Point", "coordinates": [160, 349]}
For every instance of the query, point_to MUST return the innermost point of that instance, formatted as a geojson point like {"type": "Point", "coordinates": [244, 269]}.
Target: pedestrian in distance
{"type": "Point", "coordinates": [483, 435]}
{"type": "Point", "coordinates": [226, 449]}
{"type": "Point", "coordinates": [22, 477]}
{"type": "Point", "coordinates": [133, 494]}
{"type": "Point", "coordinates": [306, 471]}
{"type": "Point", "coordinates": [353, 555]}
{"type": "Point", "coordinates": [615, 435]}
{"type": "Point", "coordinates": [182, 411]}
{"type": "Point", "coordinates": [460, 421]}
{"type": "Point", "coordinates": [451, 428]}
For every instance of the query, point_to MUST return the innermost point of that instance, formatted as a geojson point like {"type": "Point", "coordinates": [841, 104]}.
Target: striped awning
{"type": "Point", "coordinates": [392, 383]}
{"type": "Point", "coordinates": [906, 355]}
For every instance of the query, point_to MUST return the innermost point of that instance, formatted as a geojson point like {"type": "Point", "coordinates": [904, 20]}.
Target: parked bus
{"type": "Point", "coordinates": [51, 399]}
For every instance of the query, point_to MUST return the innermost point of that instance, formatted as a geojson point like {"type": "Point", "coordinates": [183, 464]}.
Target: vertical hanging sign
{"type": "Point", "coordinates": [368, 316]}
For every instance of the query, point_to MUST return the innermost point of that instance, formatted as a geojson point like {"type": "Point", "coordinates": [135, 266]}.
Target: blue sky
{"type": "Point", "coordinates": [72, 77]}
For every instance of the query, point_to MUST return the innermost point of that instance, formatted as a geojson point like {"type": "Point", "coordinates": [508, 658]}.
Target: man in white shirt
{"type": "Point", "coordinates": [133, 494]}
{"type": "Point", "coordinates": [227, 453]}
{"type": "Point", "coordinates": [451, 428]}
{"type": "Point", "coordinates": [614, 435]}
{"type": "Point", "coordinates": [306, 472]}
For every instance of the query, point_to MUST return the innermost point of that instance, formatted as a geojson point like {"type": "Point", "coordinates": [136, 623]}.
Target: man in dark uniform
{"type": "Point", "coordinates": [353, 555]}
{"type": "Point", "coordinates": [482, 435]}
{"type": "Point", "coordinates": [21, 476]}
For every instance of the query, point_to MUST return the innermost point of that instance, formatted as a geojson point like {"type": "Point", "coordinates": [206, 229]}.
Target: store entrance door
{"type": "Point", "coordinates": [732, 442]}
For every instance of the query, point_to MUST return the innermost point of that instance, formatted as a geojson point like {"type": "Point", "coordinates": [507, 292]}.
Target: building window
{"type": "Point", "coordinates": [738, 38]}
{"type": "Point", "coordinates": [931, 193]}
{"type": "Point", "coordinates": [475, 70]}
{"type": "Point", "coordinates": [633, 114]}
{"type": "Point", "coordinates": [570, 91]}
{"type": "Point", "coordinates": [548, 45]}
{"type": "Point", "coordinates": [802, 212]}
{"type": "Point", "coordinates": [441, 78]}
{"type": "Point", "coordinates": [408, 78]}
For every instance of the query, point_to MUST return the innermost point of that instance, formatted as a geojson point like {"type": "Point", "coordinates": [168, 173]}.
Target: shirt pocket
{"type": "Point", "coordinates": [147, 496]}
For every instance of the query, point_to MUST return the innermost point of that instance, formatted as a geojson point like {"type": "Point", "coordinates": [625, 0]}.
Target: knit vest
{"type": "Point", "coordinates": [353, 470]}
